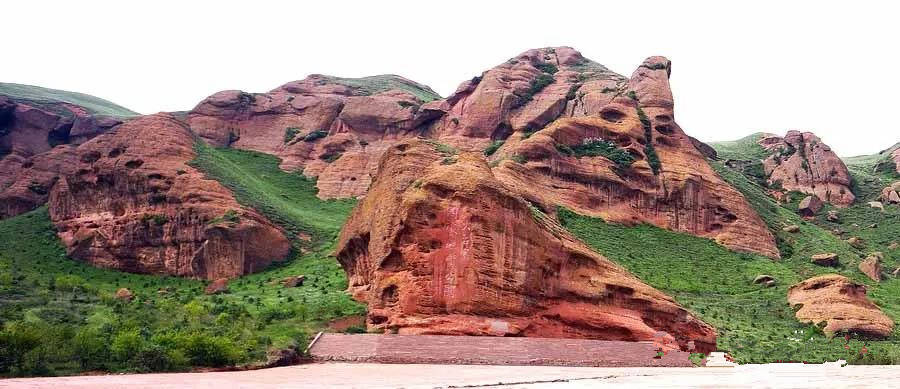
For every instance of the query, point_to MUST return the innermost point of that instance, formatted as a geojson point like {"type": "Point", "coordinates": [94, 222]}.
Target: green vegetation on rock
{"type": "Point", "coordinates": [376, 84]}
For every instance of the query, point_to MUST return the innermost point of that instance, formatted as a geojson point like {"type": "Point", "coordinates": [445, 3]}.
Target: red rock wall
{"type": "Point", "coordinates": [801, 162]}
{"type": "Point", "coordinates": [130, 202]}
{"type": "Point", "coordinates": [440, 246]}
{"type": "Point", "coordinates": [686, 195]}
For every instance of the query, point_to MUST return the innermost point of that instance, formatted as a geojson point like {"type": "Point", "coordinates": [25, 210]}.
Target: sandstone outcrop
{"type": "Point", "coordinates": [801, 162]}
{"type": "Point", "coordinates": [630, 162]}
{"type": "Point", "coordinates": [129, 201]}
{"type": "Point", "coordinates": [841, 304]}
{"type": "Point", "coordinates": [30, 128]}
{"type": "Point", "coordinates": [439, 245]}
{"type": "Point", "coordinates": [327, 127]}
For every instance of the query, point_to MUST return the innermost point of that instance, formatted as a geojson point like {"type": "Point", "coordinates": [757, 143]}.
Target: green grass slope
{"type": "Point", "coordinates": [59, 316]}
{"type": "Point", "coordinates": [38, 94]}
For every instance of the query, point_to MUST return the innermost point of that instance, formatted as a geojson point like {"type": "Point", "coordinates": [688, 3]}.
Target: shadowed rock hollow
{"type": "Point", "coordinates": [441, 246]}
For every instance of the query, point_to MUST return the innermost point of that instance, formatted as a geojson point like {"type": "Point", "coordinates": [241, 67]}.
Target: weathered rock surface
{"type": "Point", "coordinates": [681, 192]}
{"type": "Point", "coordinates": [129, 201]}
{"type": "Point", "coordinates": [891, 194]}
{"type": "Point", "coordinates": [219, 285]}
{"type": "Point", "coordinates": [841, 304]}
{"type": "Point", "coordinates": [331, 128]}
{"type": "Point", "coordinates": [800, 161]}
{"type": "Point", "coordinates": [124, 294]}
{"type": "Point", "coordinates": [872, 266]}
{"type": "Point", "coordinates": [810, 206]}
{"type": "Point", "coordinates": [446, 248]}
{"type": "Point", "coordinates": [29, 130]}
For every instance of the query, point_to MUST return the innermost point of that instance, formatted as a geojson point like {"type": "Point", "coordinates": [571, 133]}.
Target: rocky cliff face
{"type": "Point", "coordinates": [801, 162]}
{"type": "Point", "coordinates": [33, 121]}
{"type": "Point", "coordinates": [441, 246]}
{"type": "Point", "coordinates": [128, 200]}
{"type": "Point", "coordinates": [630, 162]}
{"type": "Point", "coordinates": [337, 130]}
{"type": "Point", "coordinates": [327, 127]}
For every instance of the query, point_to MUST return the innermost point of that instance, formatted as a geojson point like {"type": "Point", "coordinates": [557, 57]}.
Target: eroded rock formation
{"type": "Point", "coordinates": [841, 304]}
{"type": "Point", "coordinates": [29, 131]}
{"type": "Point", "coordinates": [440, 245]}
{"type": "Point", "coordinates": [127, 200]}
{"type": "Point", "coordinates": [630, 162]}
{"type": "Point", "coordinates": [801, 162]}
{"type": "Point", "coordinates": [327, 127]}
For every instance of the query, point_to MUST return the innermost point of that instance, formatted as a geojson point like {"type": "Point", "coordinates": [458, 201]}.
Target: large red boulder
{"type": "Point", "coordinates": [839, 303]}
{"type": "Point", "coordinates": [801, 162]}
{"type": "Point", "coordinates": [439, 245]}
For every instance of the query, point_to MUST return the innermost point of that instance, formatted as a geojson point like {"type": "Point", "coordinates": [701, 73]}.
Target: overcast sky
{"type": "Point", "coordinates": [828, 67]}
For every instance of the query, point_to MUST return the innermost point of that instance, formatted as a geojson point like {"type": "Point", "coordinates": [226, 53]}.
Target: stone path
{"type": "Point", "coordinates": [363, 375]}
{"type": "Point", "coordinates": [487, 350]}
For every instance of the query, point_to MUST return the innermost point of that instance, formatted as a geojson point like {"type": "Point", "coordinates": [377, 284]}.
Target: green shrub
{"type": "Point", "coordinates": [90, 348]}
{"type": "Point", "coordinates": [632, 95]}
{"type": "Point", "coordinates": [649, 150]}
{"type": "Point", "coordinates": [210, 350]}
{"type": "Point", "coordinates": [17, 339]}
{"type": "Point", "coordinates": [493, 147]}
{"type": "Point", "coordinates": [564, 149]}
{"type": "Point", "coordinates": [37, 188]}
{"type": "Point", "coordinates": [572, 93]}
{"type": "Point", "coordinates": [355, 330]}
{"type": "Point", "coordinates": [596, 147]}
{"type": "Point", "coordinates": [315, 135]}
{"type": "Point", "coordinates": [331, 157]}
{"type": "Point", "coordinates": [548, 68]}
{"type": "Point", "coordinates": [538, 84]}
{"type": "Point", "coordinates": [156, 219]}
{"type": "Point", "coordinates": [290, 133]}
{"type": "Point", "coordinates": [518, 158]}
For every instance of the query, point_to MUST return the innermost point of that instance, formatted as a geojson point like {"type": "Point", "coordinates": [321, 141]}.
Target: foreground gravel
{"type": "Point", "coordinates": [346, 375]}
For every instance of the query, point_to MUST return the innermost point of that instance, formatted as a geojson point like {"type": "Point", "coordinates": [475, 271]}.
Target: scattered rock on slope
{"type": "Point", "coordinates": [841, 304]}
{"type": "Point", "coordinates": [826, 259]}
{"type": "Point", "coordinates": [446, 248]}
{"type": "Point", "coordinates": [872, 267]}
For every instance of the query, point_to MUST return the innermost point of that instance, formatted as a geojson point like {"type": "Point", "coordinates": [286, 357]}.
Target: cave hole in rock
{"type": "Point", "coordinates": [390, 295]}
{"type": "Point", "coordinates": [612, 115]}
{"type": "Point", "coordinates": [134, 164]}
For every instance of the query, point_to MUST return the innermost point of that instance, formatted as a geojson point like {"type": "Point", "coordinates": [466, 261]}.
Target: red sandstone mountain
{"type": "Point", "coordinates": [441, 246]}
{"type": "Point", "coordinates": [801, 162]}
{"type": "Point", "coordinates": [336, 129]}
{"type": "Point", "coordinates": [668, 184]}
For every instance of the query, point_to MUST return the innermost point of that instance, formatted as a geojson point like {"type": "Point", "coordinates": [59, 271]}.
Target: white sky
{"type": "Point", "coordinates": [829, 67]}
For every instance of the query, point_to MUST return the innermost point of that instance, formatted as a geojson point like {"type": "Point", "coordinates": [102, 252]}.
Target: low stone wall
{"type": "Point", "coordinates": [484, 350]}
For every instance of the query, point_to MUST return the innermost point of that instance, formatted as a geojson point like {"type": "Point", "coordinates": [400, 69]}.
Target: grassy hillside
{"type": "Point", "coordinates": [38, 94]}
{"type": "Point", "coordinates": [59, 316]}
